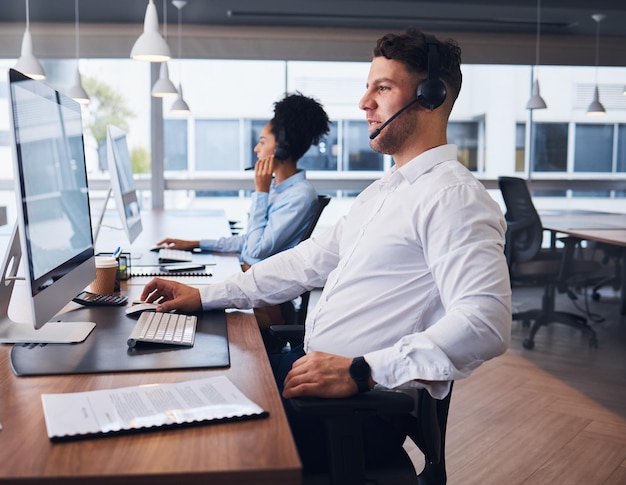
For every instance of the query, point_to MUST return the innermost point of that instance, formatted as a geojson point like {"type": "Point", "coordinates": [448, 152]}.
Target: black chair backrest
{"type": "Point", "coordinates": [288, 311]}
{"type": "Point", "coordinates": [322, 202]}
{"type": "Point", "coordinates": [525, 231]}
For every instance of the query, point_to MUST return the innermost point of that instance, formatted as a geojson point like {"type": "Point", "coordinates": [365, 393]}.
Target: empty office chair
{"type": "Point", "coordinates": [235, 227]}
{"type": "Point", "coordinates": [529, 263]}
{"type": "Point", "coordinates": [612, 256]}
{"type": "Point", "coordinates": [422, 417]}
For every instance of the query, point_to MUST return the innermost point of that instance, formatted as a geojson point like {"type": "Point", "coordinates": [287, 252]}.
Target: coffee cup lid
{"type": "Point", "coordinates": [105, 262]}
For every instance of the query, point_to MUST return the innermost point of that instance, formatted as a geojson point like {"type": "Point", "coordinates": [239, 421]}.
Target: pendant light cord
{"type": "Point", "coordinates": [165, 19]}
{"type": "Point", "coordinates": [180, 15]}
{"type": "Point", "coordinates": [27, 17]}
{"type": "Point", "coordinates": [597, 19]}
{"type": "Point", "coordinates": [538, 30]}
{"type": "Point", "coordinates": [76, 30]}
{"type": "Point", "coordinates": [180, 62]}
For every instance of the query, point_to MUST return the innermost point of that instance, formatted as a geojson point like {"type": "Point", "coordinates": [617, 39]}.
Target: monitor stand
{"type": "Point", "coordinates": [16, 332]}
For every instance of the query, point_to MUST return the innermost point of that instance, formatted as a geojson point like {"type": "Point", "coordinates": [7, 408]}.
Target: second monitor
{"type": "Point", "coordinates": [122, 185]}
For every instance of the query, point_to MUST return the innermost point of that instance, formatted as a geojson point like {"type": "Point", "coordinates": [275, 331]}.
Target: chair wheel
{"type": "Point", "coordinates": [595, 296]}
{"type": "Point", "coordinates": [528, 344]}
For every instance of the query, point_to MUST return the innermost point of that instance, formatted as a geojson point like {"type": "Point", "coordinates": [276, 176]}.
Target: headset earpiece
{"type": "Point", "coordinates": [431, 92]}
{"type": "Point", "coordinates": [281, 152]}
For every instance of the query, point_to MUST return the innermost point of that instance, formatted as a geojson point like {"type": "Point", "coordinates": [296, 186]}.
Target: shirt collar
{"type": "Point", "coordinates": [297, 177]}
{"type": "Point", "coordinates": [421, 164]}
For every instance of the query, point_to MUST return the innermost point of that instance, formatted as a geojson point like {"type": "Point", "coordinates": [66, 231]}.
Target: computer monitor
{"type": "Point", "coordinates": [122, 185]}
{"type": "Point", "coordinates": [53, 237]}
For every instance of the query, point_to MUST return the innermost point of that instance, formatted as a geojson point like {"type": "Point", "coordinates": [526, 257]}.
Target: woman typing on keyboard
{"type": "Point", "coordinates": [284, 201]}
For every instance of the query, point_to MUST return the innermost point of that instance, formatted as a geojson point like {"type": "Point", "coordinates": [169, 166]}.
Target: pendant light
{"type": "Point", "coordinates": [77, 91]}
{"type": "Point", "coordinates": [27, 62]}
{"type": "Point", "coordinates": [163, 87]}
{"type": "Point", "coordinates": [536, 101]}
{"type": "Point", "coordinates": [596, 108]}
{"type": "Point", "coordinates": [179, 106]}
{"type": "Point", "coordinates": [151, 46]}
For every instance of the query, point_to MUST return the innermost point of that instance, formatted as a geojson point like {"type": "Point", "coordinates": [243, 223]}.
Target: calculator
{"type": "Point", "coordinates": [94, 299]}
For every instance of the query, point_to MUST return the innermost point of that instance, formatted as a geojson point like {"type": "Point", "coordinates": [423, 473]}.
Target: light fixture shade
{"type": "Point", "coordinates": [180, 106]}
{"type": "Point", "coordinates": [28, 63]}
{"type": "Point", "coordinates": [536, 101]}
{"type": "Point", "coordinates": [596, 108]}
{"type": "Point", "coordinates": [77, 92]}
{"type": "Point", "coordinates": [164, 87]}
{"type": "Point", "coordinates": [151, 46]}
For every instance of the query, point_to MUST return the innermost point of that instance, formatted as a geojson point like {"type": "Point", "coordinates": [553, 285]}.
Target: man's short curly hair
{"type": "Point", "coordinates": [304, 120]}
{"type": "Point", "coordinates": [410, 48]}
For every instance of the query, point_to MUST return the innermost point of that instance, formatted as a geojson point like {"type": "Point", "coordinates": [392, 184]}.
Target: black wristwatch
{"type": "Point", "coordinates": [360, 373]}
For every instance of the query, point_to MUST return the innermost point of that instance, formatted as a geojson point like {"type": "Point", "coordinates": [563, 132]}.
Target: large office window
{"type": "Point", "coordinates": [593, 150]}
{"type": "Point", "coordinates": [620, 165]}
{"type": "Point", "coordinates": [217, 145]}
{"type": "Point", "coordinates": [324, 155]}
{"type": "Point", "coordinates": [358, 154]}
{"type": "Point", "coordinates": [175, 145]}
{"type": "Point", "coordinates": [520, 147]}
{"type": "Point", "coordinates": [550, 140]}
{"type": "Point", "coordinates": [465, 136]}
{"type": "Point", "coordinates": [226, 119]}
{"type": "Point", "coordinates": [253, 133]}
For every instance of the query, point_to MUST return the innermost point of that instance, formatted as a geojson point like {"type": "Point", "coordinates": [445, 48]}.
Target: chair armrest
{"type": "Point", "coordinates": [369, 403]}
{"type": "Point", "coordinates": [343, 420]}
{"type": "Point", "coordinates": [294, 334]}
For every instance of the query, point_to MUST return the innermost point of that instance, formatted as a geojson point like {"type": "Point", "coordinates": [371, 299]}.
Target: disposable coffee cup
{"type": "Point", "coordinates": [106, 273]}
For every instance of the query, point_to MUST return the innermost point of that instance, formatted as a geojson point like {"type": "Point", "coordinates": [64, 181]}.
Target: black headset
{"type": "Point", "coordinates": [431, 92]}
{"type": "Point", "coordinates": [281, 152]}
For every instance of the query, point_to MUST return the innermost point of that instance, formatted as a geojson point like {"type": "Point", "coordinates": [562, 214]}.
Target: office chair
{"type": "Point", "coordinates": [529, 263]}
{"type": "Point", "coordinates": [613, 256]}
{"type": "Point", "coordinates": [288, 309]}
{"type": "Point", "coordinates": [422, 417]}
{"type": "Point", "coordinates": [235, 228]}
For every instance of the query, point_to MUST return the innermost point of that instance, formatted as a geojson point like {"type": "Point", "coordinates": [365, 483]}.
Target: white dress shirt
{"type": "Point", "coordinates": [414, 277]}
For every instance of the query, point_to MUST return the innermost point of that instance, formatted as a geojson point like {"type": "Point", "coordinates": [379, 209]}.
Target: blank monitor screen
{"type": "Point", "coordinates": [52, 195]}
{"type": "Point", "coordinates": [122, 182]}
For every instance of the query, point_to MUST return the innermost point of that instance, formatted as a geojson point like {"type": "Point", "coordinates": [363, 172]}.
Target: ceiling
{"type": "Point", "coordinates": [489, 31]}
{"type": "Point", "coordinates": [560, 17]}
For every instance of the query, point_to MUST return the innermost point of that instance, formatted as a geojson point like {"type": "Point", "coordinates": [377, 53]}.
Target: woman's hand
{"type": "Point", "coordinates": [183, 244]}
{"type": "Point", "coordinates": [263, 173]}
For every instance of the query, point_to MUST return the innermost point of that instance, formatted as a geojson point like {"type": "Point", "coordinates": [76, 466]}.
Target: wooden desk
{"type": "Point", "coordinates": [590, 226]}
{"type": "Point", "coordinates": [159, 224]}
{"type": "Point", "coordinates": [258, 451]}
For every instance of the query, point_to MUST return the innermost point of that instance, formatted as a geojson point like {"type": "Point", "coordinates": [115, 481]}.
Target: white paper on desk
{"type": "Point", "coordinates": [129, 408]}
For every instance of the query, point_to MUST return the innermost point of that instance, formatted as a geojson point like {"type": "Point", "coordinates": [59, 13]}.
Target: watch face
{"type": "Point", "coordinates": [360, 373]}
{"type": "Point", "coordinates": [360, 369]}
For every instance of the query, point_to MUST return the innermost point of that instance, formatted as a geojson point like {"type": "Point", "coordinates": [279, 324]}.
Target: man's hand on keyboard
{"type": "Point", "coordinates": [175, 296]}
{"type": "Point", "coordinates": [184, 244]}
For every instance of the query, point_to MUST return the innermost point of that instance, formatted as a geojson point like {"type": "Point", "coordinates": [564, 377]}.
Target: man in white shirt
{"type": "Point", "coordinates": [416, 287]}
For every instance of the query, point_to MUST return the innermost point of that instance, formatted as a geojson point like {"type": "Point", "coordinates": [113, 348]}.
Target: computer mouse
{"type": "Point", "coordinates": [136, 310]}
